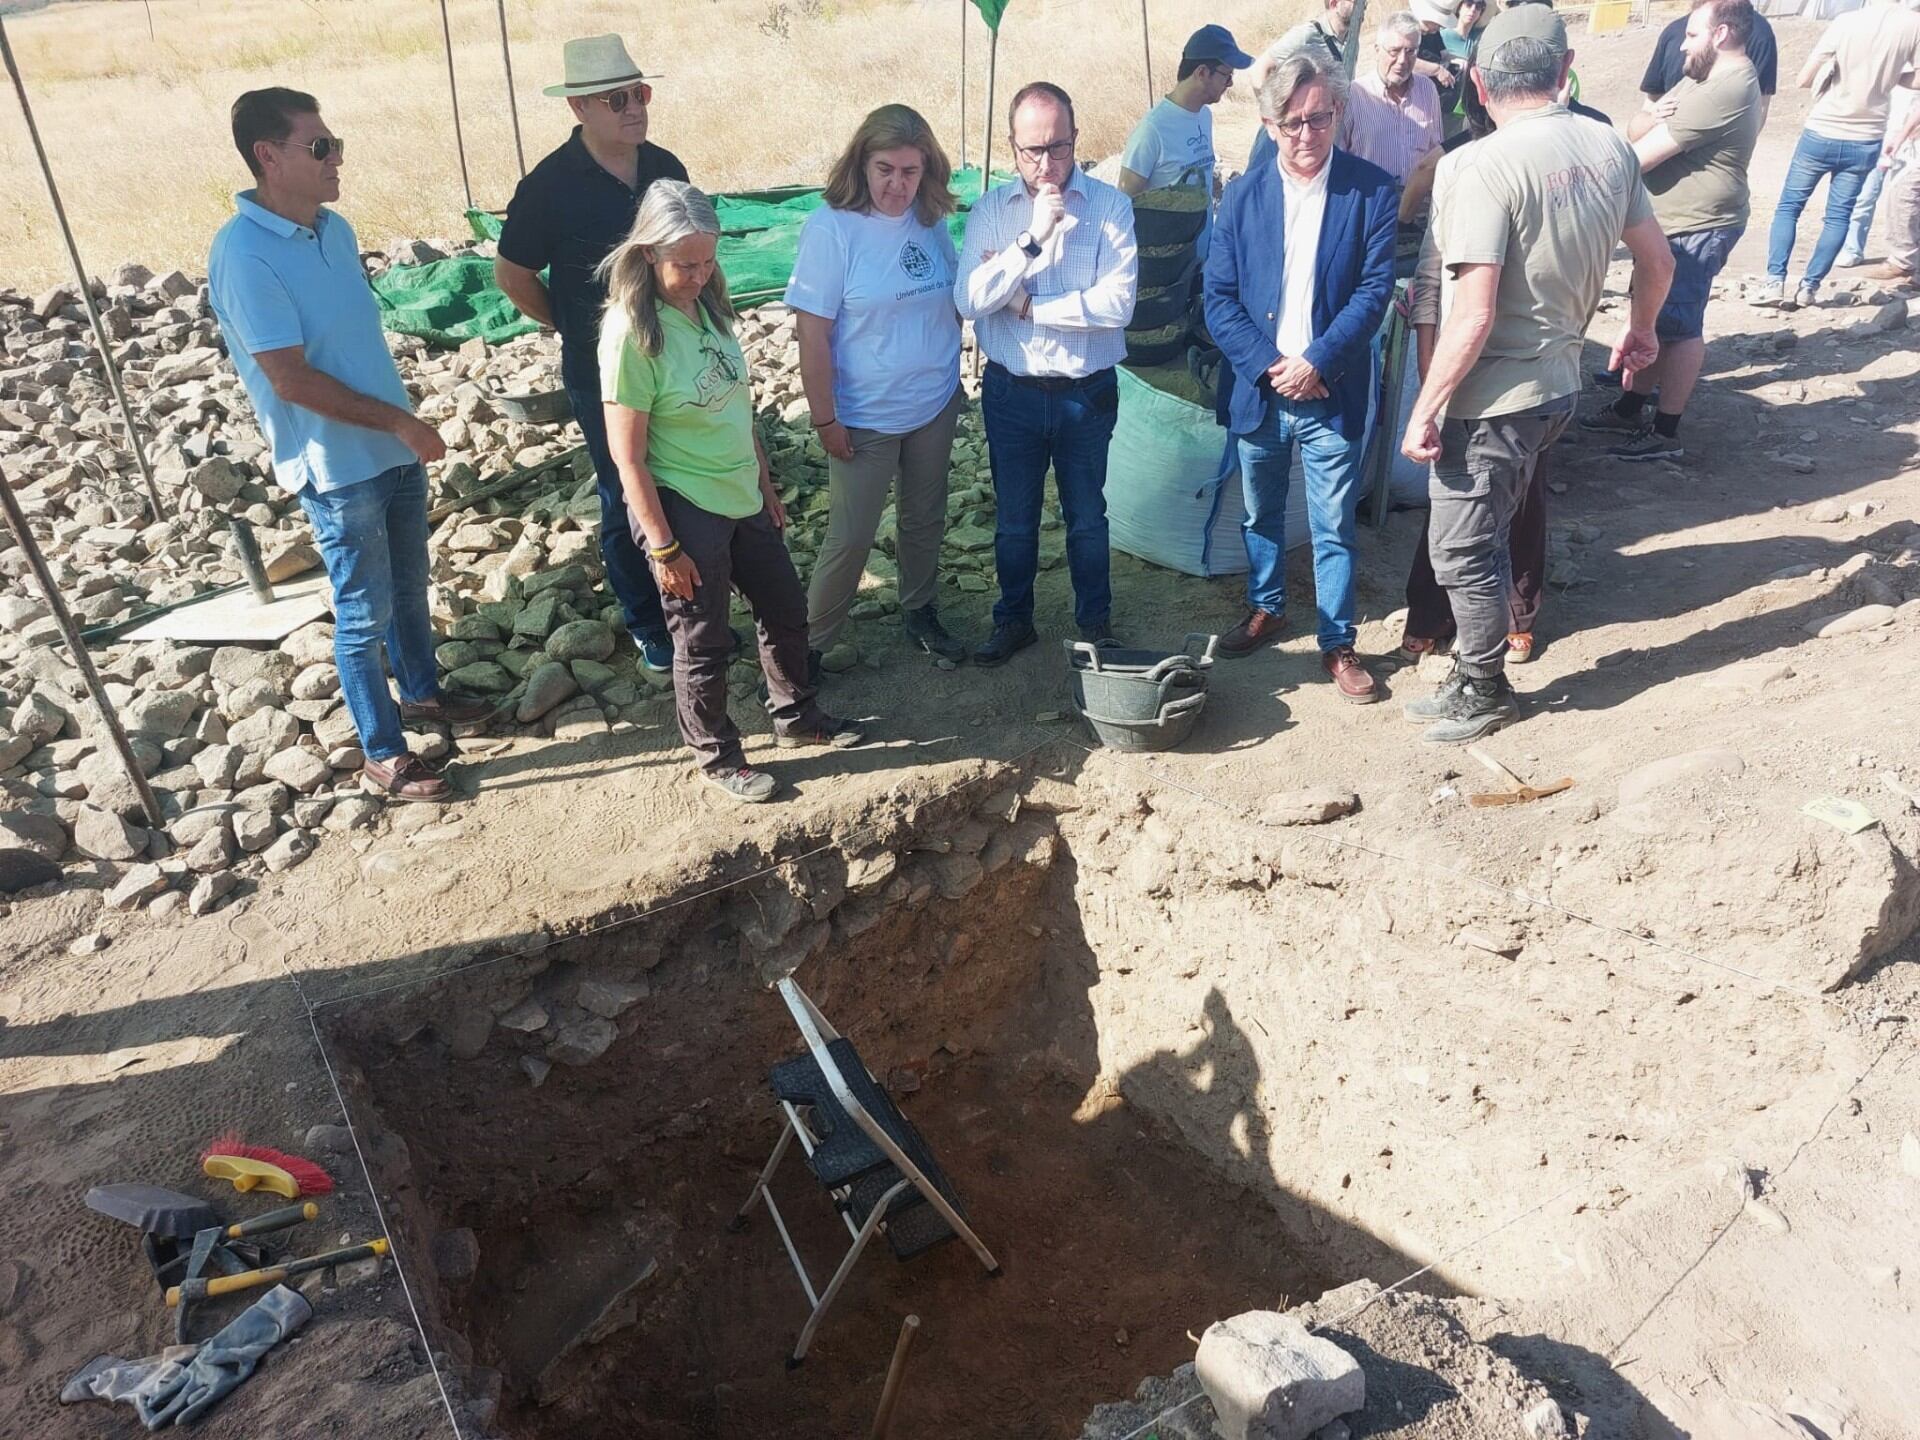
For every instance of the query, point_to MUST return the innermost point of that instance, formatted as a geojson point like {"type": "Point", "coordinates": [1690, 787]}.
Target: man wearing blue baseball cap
{"type": "Point", "coordinates": [1173, 143]}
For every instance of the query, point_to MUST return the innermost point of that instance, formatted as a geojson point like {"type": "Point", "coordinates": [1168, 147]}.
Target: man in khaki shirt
{"type": "Point", "coordinates": [1853, 70]}
{"type": "Point", "coordinates": [1694, 145]}
{"type": "Point", "coordinates": [1525, 222]}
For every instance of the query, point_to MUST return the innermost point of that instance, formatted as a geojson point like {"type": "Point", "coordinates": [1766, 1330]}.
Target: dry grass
{"type": "Point", "coordinates": [137, 128]}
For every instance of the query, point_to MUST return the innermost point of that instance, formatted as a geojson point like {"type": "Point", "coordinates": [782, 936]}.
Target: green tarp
{"type": "Point", "coordinates": [451, 301]}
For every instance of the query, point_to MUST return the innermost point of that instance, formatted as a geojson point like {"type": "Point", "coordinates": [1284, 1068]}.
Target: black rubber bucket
{"type": "Point", "coordinates": [1140, 699]}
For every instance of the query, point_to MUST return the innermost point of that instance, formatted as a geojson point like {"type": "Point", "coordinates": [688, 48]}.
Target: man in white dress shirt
{"type": "Point", "coordinates": [1047, 276]}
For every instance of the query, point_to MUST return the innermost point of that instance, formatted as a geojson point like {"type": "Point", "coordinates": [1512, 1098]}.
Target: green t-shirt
{"type": "Point", "coordinates": [1544, 197]}
{"type": "Point", "coordinates": [698, 405]}
{"type": "Point", "coordinates": [1717, 123]}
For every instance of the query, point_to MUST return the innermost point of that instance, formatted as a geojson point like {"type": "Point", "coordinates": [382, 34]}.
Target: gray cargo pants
{"type": "Point", "coordinates": [1475, 486]}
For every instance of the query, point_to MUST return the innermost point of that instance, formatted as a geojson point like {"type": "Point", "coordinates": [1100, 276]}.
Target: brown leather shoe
{"type": "Point", "coordinates": [463, 714]}
{"type": "Point", "coordinates": [404, 777]}
{"type": "Point", "coordinates": [1890, 272]}
{"type": "Point", "coordinates": [1349, 676]}
{"type": "Point", "coordinates": [1260, 630]}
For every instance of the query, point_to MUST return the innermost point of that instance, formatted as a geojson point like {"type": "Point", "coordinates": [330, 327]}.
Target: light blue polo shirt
{"type": "Point", "coordinates": [276, 284]}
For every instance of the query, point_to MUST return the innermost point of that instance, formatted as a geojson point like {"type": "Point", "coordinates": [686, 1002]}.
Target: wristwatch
{"type": "Point", "coordinates": [1028, 244]}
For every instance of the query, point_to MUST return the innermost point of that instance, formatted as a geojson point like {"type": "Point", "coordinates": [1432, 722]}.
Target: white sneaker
{"type": "Point", "coordinates": [1849, 262]}
{"type": "Point", "coordinates": [1806, 297]}
{"type": "Point", "coordinates": [1768, 293]}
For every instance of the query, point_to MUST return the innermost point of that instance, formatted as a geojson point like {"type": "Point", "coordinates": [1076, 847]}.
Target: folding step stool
{"type": "Point", "coordinates": [864, 1153]}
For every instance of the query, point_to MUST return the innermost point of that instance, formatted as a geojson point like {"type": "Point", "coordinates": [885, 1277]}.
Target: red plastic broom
{"type": "Point", "coordinates": [307, 1178]}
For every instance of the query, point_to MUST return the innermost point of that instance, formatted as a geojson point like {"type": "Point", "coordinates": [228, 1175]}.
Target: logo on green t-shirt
{"type": "Point", "coordinates": [717, 377]}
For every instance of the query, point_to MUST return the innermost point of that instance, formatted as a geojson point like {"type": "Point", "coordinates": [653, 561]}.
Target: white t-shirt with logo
{"type": "Point", "coordinates": [887, 285]}
{"type": "Point", "coordinates": [1170, 142]}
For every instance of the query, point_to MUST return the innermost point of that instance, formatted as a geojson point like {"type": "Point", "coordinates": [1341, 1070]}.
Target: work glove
{"type": "Point", "coordinates": [129, 1382]}
{"type": "Point", "coordinates": [229, 1358]}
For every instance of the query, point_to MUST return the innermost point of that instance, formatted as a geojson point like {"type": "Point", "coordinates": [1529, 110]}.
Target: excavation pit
{"type": "Point", "coordinates": [1176, 1068]}
{"type": "Point", "coordinates": [609, 1293]}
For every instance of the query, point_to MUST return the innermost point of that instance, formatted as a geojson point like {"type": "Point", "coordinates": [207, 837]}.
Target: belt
{"type": "Point", "coordinates": [1052, 384]}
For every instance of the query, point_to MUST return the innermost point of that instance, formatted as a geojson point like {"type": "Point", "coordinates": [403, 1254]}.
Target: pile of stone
{"type": "Point", "coordinates": [251, 750]}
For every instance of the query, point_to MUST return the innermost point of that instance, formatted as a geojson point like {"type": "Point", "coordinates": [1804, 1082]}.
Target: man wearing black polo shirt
{"type": "Point", "coordinates": [1668, 67]}
{"type": "Point", "coordinates": [569, 211]}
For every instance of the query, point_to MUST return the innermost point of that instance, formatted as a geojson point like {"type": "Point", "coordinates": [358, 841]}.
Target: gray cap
{"type": "Point", "coordinates": [1521, 22]}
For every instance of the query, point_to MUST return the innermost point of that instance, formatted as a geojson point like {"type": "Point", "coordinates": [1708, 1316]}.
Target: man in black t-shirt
{"type": "Point", "coordinates": [1668, 65]}
{"type": "Point", "coordinates": [570, 210]}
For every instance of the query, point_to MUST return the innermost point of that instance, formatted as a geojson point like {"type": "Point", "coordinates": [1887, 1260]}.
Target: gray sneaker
{"type": "Point", "coordinates": [1648, 444]}
{"type": "Point", "coordinates": [743, 783]}
{"type": "Point", "coordinates": [1805, 298]}
{"type": "Point", "coordinates": [1437, 705]}
{"type": "Point", "coordinates": [1768, 294]}
{"type": "Point", "coordinates": [1480, 707]}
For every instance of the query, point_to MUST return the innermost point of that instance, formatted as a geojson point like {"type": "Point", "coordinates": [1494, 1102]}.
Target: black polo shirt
{"type": "Point", "coordinates": [1669, 62]}
{"type": "Point", "coordinates": [564, 217]}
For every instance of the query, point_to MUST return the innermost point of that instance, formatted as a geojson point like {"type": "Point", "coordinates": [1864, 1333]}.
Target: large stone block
{"type": "Point", "coordinates": [1269, 1379]}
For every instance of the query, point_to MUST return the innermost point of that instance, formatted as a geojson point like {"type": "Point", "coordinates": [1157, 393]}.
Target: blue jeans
{"type": "Point", "coordinates": [1849, 162]}
{"type": "Point", "coordinates": [1029, 428]}
{"type": "Point", "coordinates": [1860, 224]}
{"type": "Point", "coordinates": [1331, 464]}
{"type": "Point", "coordinates": [628, 574]}
{"type": "Point", "coordinates": [373, 538]}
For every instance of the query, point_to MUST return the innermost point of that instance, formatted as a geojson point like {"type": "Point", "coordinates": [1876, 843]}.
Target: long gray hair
{"type": "Point", "coordinates": [671, 211]}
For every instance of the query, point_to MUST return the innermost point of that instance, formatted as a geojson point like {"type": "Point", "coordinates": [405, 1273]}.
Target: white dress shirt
{"type": "Point", "coordinates": [1082, 283]}
{"type": "Point", "coordinates": [1303, 209]}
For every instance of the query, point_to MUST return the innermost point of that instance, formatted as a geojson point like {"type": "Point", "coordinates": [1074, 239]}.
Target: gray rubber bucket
{"type": "Point", "coordinates": [1140, 699]}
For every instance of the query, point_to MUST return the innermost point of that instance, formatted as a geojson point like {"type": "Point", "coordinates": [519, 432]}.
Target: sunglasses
{"type": "Point", "coordinates": [1318, 122]}
{"type": "Point", "coordinates": [618, 100]}
{"type": "Point", "coordinates": [323, 149]}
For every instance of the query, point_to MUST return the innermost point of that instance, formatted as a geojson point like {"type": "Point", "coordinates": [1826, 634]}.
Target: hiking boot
{"type": "Point", "coordinates": [1889, 272]}
{"type": "Point", "coordinates": [925, 630]}
{"type": "Point", "coordinates": [1350, 677]}
{"type": "Point", "coordinates": [743, 783]}
{"type": "Point", "coordinates": [463, 714]}
{"type": "Point", "coordinates": [404, 777]}
{"type": "Point", "coordinates": [1519, 648]}
{"type": "Point", "coordinates": [1099, 636]}
{"type": "Point", "coordinates": [1432, 707]}
{"type": "Point", "coordinates": [1768, 294]}
{"type": "Point", "coordinates": [822, 729]}
{"type": "Point", "coordinates": [1648, 444]}
{"type": "Point", "coordinates": [1479, 707]}
{"type": "Point", "coordinates": [1606, 420]}
{"type": "Point", "coordinates": [1261, 630]}
{"type": "Point", "coordinates": [1005, 642]}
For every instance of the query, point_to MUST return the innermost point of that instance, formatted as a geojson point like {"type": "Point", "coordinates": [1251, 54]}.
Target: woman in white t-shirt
{"type": "Point", "coordinates": [872, 290]}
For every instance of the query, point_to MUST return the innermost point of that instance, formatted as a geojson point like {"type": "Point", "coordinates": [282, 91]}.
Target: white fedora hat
{"type": "Point", "coordinates": [1435, 12]}
{"type": "Point", "coordinates": [596, 64]}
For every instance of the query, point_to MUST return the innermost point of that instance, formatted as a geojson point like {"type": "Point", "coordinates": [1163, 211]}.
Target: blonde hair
{"type": "Point", "coordinates": [893, 127]}
{"type": "Point", "coordinates": [671, 211]}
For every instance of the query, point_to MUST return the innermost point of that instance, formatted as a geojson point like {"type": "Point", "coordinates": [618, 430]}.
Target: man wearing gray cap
{"type": "Point", "coordinates": [1525, 222]}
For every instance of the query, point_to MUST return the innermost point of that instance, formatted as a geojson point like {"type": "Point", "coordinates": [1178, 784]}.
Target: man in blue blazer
{"type": "Point", "coordinates": [1297, 283]}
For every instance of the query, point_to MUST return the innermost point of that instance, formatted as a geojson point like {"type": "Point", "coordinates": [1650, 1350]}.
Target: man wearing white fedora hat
{"type": "Point", "coordinates": [568, 212]}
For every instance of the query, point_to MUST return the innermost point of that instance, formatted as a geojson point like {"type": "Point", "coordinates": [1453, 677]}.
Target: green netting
{"type": "Point", "coordinates": [451, 301]}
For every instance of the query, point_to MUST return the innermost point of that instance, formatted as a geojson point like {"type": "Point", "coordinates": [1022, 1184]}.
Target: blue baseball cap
{"type": "Point", "coordinates": [1215, 43]}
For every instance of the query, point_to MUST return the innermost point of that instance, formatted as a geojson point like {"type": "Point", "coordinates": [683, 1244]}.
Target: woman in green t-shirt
{"type": "Point", "coordinates": [680, 426]}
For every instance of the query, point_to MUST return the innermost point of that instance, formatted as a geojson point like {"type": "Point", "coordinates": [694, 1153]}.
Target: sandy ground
{"type": "Point", "coordinates": [119, 1065]}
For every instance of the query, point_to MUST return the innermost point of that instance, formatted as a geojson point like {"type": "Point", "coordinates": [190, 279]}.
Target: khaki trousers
{"type": "Point", "coordinates": [857, 492]}
{"type": "Point", "coordinates": [1902, 199]}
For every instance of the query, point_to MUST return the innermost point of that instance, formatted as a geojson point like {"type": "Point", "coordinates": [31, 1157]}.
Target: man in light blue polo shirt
{"type": "Point", "coordinates": [303, 330]}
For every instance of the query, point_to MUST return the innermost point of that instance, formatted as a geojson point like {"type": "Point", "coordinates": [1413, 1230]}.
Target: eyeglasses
{"type": "Point", "coordinates": [1058, 150]}
{"type": "Point", "coordinates": [1318, 122]}
{"type": "Point", "coordinates": [618, 100]}
{"type": "Point", "coordinates": [322, 148]}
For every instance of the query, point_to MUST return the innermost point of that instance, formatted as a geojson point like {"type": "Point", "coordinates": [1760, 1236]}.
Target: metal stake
{"type": "Point", "coordinates": [986, 160]}
{"type": "Point", "coordinates": [86, 289]}
{"type": "Point", "coordinates": [963, 83]}
{"type": "Point", "coordinates": [453, 88]}
{"type": "Point", "coordinates": [1146, 44]}
{"type": "Point", "coordinates": [77, 651]}
{"type": "Point", "coordinates": [513, 106]}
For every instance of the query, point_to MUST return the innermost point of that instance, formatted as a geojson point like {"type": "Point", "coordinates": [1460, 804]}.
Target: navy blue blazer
{"type": "Point", "coordinates": [1352, 286]}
